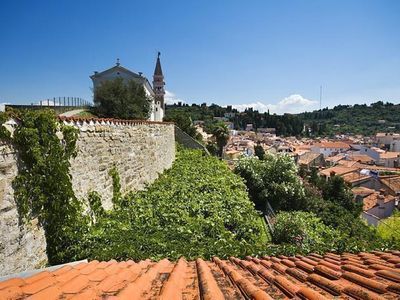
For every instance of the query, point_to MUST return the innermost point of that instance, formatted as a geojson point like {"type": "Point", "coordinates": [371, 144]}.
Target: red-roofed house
{"type": "Point", "coordinates": [376, 205]}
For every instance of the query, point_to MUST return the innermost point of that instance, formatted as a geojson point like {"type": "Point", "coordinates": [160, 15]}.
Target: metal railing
{"type": "Point", "coordinates": [64, 101]}
{"type": "Point", "coordinates": [269, 217]}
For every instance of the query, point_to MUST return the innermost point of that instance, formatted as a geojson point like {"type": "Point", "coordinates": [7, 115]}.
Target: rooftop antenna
{"type": "Point", "coordinates": [320, 97]}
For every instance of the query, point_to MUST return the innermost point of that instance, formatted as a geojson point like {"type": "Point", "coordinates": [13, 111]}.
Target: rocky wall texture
{"type": "Point", "coordinates": [139, 150]}
{"type": "Point", "coordinates": [21, 247]}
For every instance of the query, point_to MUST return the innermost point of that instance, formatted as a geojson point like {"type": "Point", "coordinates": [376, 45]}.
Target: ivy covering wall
{"type": "Point", "coordinates": [42, 188]}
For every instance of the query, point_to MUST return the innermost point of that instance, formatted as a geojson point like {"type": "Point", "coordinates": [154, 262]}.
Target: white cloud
{"type": "Point", "coordinates": [292, 104]}
{"type": "Point", "coordinates": [171, 98]}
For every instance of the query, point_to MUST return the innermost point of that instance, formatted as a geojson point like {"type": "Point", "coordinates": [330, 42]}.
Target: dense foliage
{"type": "Point", "coordinates": [196, 208]}
{"type": "Point", "coordinates": [356, 119]}
{"type": "Point", "coordinates": [43, 187]}
{"type": "Point", "coordinates": [272, 180]}
{"type": "Point", "coordinates": [184, 122]}
{"type": "Point", "coordinates": [389, 229]}
{"type": "Point", "coordinates": [286, 124]}
{"type": "Point", "coordinates": [259, 151]}
{"type": "Point", "coordinates": [304, 230]}
{"type": "Point", "coordinates": [124, 100]}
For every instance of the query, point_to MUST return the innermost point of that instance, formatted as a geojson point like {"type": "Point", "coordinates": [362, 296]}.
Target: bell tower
{"type": "Point", "coordinates": [158, 83]}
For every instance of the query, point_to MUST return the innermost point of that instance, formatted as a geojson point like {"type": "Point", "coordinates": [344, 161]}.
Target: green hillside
{"type": "Point", "coordinates": [353, 119]}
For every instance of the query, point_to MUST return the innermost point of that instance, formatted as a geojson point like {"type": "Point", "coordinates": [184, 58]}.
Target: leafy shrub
{"type": "Point", "coordinates": [196, 208]}
{"type": "Point", "coordinates": [273, 179]}
{"type": "Point", "coordinates": [389, 229]}
{"type": "Point", "coordinates": [305, 231]}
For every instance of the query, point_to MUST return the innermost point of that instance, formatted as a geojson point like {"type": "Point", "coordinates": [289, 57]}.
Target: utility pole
{"type": "Point", "coordinates": [320, 97]}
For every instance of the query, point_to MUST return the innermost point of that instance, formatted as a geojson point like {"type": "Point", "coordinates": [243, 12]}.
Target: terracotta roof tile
{"type": "Point", "coordinates": [373, 275]}
{"type": "Point", "coordinates": [75, 285]}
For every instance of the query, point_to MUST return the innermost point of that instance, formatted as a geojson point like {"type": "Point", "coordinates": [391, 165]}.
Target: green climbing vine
{"type": "Point", "coordinates": [4, 133]}
{"type": "Point", "coordinates": [43, 187]}
{"type": "Point", "coordinates": [116, 182]}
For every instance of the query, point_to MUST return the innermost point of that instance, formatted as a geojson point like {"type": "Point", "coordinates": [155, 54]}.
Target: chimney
{"type": "Point", "coordinates": [381, 200]}
{"type": "Point", "coordinates": [383, 192]}
{"type": "Point", "coordinates": [359, 199]}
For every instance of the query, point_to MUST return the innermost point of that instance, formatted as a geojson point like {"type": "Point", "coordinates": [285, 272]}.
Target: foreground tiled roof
{"type": "Point", "coordinates": [373, 275]}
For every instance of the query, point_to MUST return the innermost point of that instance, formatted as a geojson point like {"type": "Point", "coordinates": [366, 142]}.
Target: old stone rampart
{"type": "Point", "coordinates": [139, 150]}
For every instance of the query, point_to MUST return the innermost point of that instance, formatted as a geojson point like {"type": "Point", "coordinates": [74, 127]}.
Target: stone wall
{"type": "Point", "coordinates": [139, 150]}
{"type": "Point", "coordinates": [21, 247]}
{"type": "Point", "coordinates": [187, 141]}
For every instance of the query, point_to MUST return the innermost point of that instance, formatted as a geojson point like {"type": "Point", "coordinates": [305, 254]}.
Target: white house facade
{"type": "Point", "coordinates": [330, 148]}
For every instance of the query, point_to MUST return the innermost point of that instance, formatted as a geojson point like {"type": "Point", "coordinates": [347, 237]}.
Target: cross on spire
{"type": "Point", "coordinates": [117, 62]}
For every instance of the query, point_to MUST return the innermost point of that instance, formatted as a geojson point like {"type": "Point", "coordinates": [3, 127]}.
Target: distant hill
{"type": "Point", "coordinates": [342, 119]}
{"type": "Point", "coordinates": [354, 119]}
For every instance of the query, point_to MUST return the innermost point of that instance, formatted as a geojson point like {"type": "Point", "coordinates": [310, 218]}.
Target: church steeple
{"type": "Point", "coordinates": [158, 70]}
{"type": "Point", "coordinates": [158, 82]}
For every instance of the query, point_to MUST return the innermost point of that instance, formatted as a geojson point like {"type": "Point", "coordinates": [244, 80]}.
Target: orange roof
{"type": "Point", "coordinates": [338, 145]}
{"type": "Point", "coordinates": [360, 158]}
{"type": "Point", "coordinates": [308, 157]}
{"type": "Point", "coordinates": [335, 158]}
{"type": "Point", "coordinates": [347, 163]}
{"type": "Point", "coordinates": [362, 191]}
{"type": "Point", "coordinates": [354, 177]}
{"type": "Point", "coordinates": [389, 155]}
{"type": "Point", "coordinates": [393, 182]}
{"type": "Point", "coordinates": [373, 275]}
{"type": "Point", "coordinates": [303, 147]}
{"type": "Point", "coordinates": [371, 200]}
{"type": "Point", "coordinates": [376, 168]}
{"type": "Point", "coordinates": [338, 170]}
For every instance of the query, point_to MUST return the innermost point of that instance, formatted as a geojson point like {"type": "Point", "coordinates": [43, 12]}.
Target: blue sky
{"type": "Point", "coordinates": [271, 54]}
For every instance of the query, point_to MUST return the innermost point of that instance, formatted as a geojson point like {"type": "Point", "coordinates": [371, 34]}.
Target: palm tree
{"type": "Point", "coordinates": [221, 134]}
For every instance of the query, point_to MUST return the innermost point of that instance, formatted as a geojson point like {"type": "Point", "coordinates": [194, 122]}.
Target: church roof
{"type": "Point", "coordinates": [158, 70]}
{"type": "Point", "coordinates": [117, 68]}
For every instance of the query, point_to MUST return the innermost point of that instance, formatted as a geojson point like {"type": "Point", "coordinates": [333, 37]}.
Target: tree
{"type": "Point", "coordinates": [304, 230]}
{"type": "Point", "coordinates": [338, 192]}
{"type": "Point", "coordinates": [184, 122]}
{"type": "Point", "coordinates": [389, 229]}
{"type": "Point", "coordinates": [259, 151]}
{"type": "Point", "coordinates": [124, 100]}
{"type": "Point", "coordinates": [221, 134]}
{"type": "Point", "coordinates": [212, 148]}
{"type": "Point", "coordinates": [272, 180]}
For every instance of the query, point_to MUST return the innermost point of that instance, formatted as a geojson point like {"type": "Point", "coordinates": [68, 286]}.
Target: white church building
{"type": "Point", "coordinates": [155, 93]}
